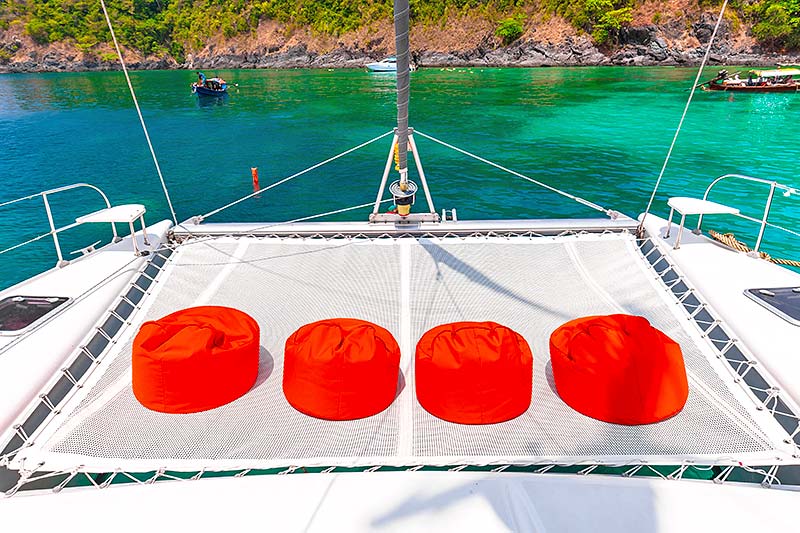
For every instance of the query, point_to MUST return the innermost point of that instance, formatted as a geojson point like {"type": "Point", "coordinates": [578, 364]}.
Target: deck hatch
{"type": "Point", "coordinates": [782, 301]}
{"type": "Point", "coordinates": [17, 313]}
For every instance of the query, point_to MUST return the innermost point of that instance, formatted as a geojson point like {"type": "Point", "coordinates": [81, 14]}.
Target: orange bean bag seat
{"type": "Point", "coordinates": [618, 369]}
{"type": "Point", "coordinates": [474, 373]}
{"type": "Point", "coordinates": [195, 359]}
{"type": "Point", "coordinates": [341, 369]}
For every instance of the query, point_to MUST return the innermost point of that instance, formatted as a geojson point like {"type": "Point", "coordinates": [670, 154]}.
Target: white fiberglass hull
{"type": "Point", "coordinates": [420, 501]}
{"type": "Point", "coordinates": [382, 67]}
{"type": "Point", "coordinates": [92, 283]}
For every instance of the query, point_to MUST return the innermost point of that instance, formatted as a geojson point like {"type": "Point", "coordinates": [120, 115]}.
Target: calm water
{"type": "Point", "coordinates": [600, 133]}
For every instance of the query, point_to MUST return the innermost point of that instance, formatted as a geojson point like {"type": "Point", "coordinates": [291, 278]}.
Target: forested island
{"type": "Point", "coordinates": [58, 35]}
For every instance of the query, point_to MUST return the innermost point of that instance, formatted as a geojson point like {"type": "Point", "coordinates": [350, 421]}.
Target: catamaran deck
{"type": "Point", "coordinates": [407, 285]}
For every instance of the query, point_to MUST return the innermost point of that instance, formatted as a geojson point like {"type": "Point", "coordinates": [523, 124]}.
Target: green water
{"type": "Point", "coordinates": [600, 133]}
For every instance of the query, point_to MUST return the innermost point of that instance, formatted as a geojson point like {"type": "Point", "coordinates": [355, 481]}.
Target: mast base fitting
{"type": "Point", "coordinates": [403, 199]}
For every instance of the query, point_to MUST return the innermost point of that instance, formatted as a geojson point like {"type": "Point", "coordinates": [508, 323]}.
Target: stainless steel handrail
{"type": "Point", "coordinates": [53, 230]}
{"type": "Point", "coordinates": [788, 191]}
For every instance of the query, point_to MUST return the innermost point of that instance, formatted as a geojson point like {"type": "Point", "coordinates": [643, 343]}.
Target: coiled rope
{"type": "Point", "coordinates": [729, 239]}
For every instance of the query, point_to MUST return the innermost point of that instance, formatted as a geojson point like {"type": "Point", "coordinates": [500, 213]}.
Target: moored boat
{"type": "Point", "coordinates": [778, 80]}
{"type": "Point", "coordinates": [388, 64]}
{"type": "Point", "coordinates": [209, 86]}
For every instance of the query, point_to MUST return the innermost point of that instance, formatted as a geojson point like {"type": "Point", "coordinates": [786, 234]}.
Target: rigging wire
{"type": "Point", "coordinates": [295, 175]}
{"type": "Point", "coordinates": [578, 199]}
{"type": "Point", "coordinates": [683, 116]}
{"type": "Point", "coordinates": [319, 215]}
{"type": "Point", "coordinates": [139, 112]}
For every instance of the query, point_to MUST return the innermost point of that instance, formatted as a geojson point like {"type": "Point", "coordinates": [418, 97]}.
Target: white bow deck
{"type": "Point", "coordinates": [407, 285]}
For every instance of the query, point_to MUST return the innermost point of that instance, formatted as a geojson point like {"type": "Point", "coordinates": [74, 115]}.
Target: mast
{"type": "Point", "coordinates": [401, 16]}
{"type": "Point", "coordinates": [403, 190]}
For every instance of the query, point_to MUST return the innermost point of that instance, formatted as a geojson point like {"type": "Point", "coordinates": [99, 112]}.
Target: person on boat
{"type": "Point", "coordinates": [735, 80]}
{"type": "Point", "coordinates": [201, 79]}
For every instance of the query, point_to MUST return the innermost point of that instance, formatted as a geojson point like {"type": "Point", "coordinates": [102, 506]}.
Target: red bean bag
{"type": "Point", "coordinates": [341, 369]}
{"type": "Point", "coordinates": [195, 359]}
{"type": "Point", "coordinates": [618, 369]}
{"type": "Point", "coordinates": [474, 373]}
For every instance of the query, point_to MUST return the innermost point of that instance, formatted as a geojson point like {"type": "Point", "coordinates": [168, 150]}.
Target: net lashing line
{"type": "Point", "coordinates": [530, 234]}
{"type": "Point", "coordinates": [139, 112]}
{"type": "Point", "coordinates": [199, 218]}
{"type": "Point", "coordinates": [717, 474]}
{"type": "Point", "coordinates": [729, 239]}
{"type": "Point", "coordinates": [725, 345]}
{"type": "Point", "coordinates": [683, 117]}
{"type": "Point", "coordinates": [204, 239]}
{"type": "Point", "coordinates": [83, 349]}
{"type": "Point", "coordinates": [611, 213]}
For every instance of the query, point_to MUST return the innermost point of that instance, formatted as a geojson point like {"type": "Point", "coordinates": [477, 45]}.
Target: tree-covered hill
{"type": "Point", "coordinates": [178, 27]}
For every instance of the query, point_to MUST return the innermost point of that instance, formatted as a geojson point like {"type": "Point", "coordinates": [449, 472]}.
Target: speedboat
{"type": "Point", "coordinates": [388, 64]}
{"type": "Point", "coordinates": [411, 370]}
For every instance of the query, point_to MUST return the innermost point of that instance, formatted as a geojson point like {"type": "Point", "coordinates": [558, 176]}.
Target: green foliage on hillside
{"type": "Point", "coordinates": [777, 22]}
{"type": "Point", "coordinates": [176, 26]}
{"type": "Point", "coordinates": [510, 29]}
{"type": "Point", "coordinates": [601, 18]}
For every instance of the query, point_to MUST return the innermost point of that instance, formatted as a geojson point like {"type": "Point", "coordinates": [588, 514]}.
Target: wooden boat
{"type": "Point", "coordinates": [210, 87]}
{"type": "Point", "coordinates": [758, 81]}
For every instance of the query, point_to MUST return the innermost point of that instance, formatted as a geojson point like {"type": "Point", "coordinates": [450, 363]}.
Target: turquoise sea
{"type": "Point", "coordinates": [599, 133]}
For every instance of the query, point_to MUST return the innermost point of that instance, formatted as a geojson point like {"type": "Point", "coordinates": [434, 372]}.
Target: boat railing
{"type": "Point", "coordinates": [54, 231]}
{"type": "Point", "coordinates": [764, 220]}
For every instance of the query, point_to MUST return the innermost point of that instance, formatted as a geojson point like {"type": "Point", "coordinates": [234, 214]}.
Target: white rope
{"type": "Point", "coordinates": [20, 245]}
{"type": "Point", "coordinates": [320, 215]}
{"type": "Point", "coordinates": [769, 224]}
{"type": "Point", "coordinates": [250, 231]}
{"type": "Point", "coordinates": [29, 197]}
{"type": "Point", "coordinates": [139, 111]}
{"type": "Point", "coordinates": [504, 169]}
{"type": "Point", "coordinates": [295, 175]}
{"type": "Point", "coordinates": [683, 116]}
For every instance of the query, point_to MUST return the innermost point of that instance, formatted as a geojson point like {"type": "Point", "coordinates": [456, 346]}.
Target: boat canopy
{"type": "Point", "coordinates": [774, 73]}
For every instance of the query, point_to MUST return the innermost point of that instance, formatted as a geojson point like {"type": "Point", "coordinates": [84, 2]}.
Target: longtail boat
{"type": "Point", "coordinates": [757, 81]}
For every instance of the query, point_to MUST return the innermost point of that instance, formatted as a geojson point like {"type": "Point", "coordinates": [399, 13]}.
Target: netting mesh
{"type": "Point", "coordinates": [408, 286]}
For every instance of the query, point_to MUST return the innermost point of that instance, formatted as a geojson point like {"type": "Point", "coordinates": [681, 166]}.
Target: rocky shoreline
{"type": "Point", "coordinates": [668, 45]}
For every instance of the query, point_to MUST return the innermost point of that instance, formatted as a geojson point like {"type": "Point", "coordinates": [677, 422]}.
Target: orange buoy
{"type": "Point", "coordinates": [254, 173]}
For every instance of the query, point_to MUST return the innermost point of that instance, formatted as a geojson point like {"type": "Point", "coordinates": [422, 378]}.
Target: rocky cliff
{"type": "Point", "coordinates": [547, 41]}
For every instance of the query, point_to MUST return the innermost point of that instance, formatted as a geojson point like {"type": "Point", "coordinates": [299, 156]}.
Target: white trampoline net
{"type": "Point", "coordinates": [532, 285]}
